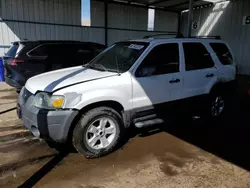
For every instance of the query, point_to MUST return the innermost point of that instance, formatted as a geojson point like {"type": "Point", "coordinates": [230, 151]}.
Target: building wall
{"type": "Point", "coordinates": [127, 22]}
{"type": "Point", "coordinates": [225, 20]}
{"type": "Point", "coordinates": [166, 21]}
{"type": "Point", "coordinates": [61, 20]}
{"type": "Point", "coordinates": [43, 20]}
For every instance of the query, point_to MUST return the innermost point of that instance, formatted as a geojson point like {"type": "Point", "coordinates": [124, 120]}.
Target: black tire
{"type": "Point", "coordinates": [79, 132]}
{"type": "Point", "coordinates": [57, 146]}
{"type": "Point", "coordinates": [212, 97]}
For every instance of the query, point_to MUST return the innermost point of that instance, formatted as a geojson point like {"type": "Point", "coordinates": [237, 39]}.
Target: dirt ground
{"type": "Point", "coordinates": [188, 154]}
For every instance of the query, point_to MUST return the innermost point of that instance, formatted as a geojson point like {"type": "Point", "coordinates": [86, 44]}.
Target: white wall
{"type": "Point", "coordinates": [226, 20]}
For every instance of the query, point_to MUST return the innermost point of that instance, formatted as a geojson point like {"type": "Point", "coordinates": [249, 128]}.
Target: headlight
{"type": "Point", "coordinates": [47, 101]}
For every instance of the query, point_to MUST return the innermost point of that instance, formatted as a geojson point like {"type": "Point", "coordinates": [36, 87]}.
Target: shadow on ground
{"type": "Point", "coordinates": [227, 138]}
{"type": "Point", "coordinates": [44, 170]}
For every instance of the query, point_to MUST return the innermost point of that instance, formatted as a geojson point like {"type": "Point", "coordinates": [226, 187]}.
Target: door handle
{"type": "Point", "coordinates": [174, 81]}
{"type": "Point", "coordinates": [209, 75]}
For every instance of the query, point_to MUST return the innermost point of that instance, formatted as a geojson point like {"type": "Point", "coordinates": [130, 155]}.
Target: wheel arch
{"type": "Point", "coordinates": [107, 103]}
{"type": "Point", "coordinates": [226, 87]}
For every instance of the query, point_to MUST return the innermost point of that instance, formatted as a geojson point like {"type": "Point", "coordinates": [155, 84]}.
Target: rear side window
{"type": "Point", "coordinates": [197, 56]}
{"type": "Point", "coordinates": [39, 51]}
{"type": "Point", "coordinates": [99, 49]}
{"type": "Point", "coordinates": [84, 54]}
{"type": "Point", "coordinates": [222, 53]}
{"type": "Point", "coordinates": [12, 51]}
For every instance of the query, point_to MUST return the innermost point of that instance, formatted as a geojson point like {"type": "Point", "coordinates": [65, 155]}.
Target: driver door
{"type": "Point", "coordinates": [158, 80]}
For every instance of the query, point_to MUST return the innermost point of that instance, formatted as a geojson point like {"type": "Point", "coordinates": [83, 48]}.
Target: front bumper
{"type": "Point", "coordinates": [46, 124]}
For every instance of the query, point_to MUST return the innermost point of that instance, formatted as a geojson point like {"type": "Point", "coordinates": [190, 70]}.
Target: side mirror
{"type": "Point", "coordinates": [147, 71]}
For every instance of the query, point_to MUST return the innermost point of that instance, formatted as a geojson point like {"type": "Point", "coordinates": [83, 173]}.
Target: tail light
{"type": "Point", "coordinates": [16, 61]}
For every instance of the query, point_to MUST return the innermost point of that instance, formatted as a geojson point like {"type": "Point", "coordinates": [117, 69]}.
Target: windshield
{"type": "Point", "coordinates": [119, 57]}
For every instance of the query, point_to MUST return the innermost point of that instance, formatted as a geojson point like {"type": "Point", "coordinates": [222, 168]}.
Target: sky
{"type": "Point", "coordinates": [85, 12]}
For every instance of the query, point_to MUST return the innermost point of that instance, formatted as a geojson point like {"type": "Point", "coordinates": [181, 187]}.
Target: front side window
{"type": "Point", "coordinates": [119, 57]}
{"type": "Point", "coordinates": [162, 59]}
{"type": "Point", "coordinates": [197, 56]}
{"type": "Point", "coordinates": [223, 53]}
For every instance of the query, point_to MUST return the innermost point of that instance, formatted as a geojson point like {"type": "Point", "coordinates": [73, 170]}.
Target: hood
{"type": "Point", "coordinates": [55, 80]}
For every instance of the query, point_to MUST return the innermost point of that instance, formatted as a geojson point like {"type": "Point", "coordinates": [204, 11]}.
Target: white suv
{"type": "Point", "coordinates": [132, 83]}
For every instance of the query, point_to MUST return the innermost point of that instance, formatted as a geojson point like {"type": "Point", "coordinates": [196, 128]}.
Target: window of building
{"type": "Point", "coordinates": [86, 19]}
{"type": "Point", "coordinates": [151, 19]}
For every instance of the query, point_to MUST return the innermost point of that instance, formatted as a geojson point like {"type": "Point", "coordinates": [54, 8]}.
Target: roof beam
{"type": "Point", "coordinates": [136, 5]}
{"type": "Point", "coordinates": [179, 4]}
{"type": "Point", "coordinates": [199, 6]}
{"type": "Point", "coordinates": [157, 2]}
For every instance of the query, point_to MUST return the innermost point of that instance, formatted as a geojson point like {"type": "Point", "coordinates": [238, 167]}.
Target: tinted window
{"type": "Point", "coordinates": [99, 49]}
{"type": "Point", "coordinates": [39, 51]}
{"type": "Point", "coordinates": [163, 59]}
{"type": "Point", "coordinates": [197, 56]}
{"type": "Point", "coordinates": [12, 51]}
{"type": "Point", "coordinates": [222, 53]}
{"type": "Point", "coordinates": [84, 54]}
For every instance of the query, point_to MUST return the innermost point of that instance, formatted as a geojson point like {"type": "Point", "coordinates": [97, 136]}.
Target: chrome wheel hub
{"type": "Point", "coordinates": [218, 105]}
{"type": "Point", "coordinates": [101, 133]}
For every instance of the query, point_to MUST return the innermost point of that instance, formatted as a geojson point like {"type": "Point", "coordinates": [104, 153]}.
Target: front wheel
{"type": "Point", "coordinates": [98, 132]}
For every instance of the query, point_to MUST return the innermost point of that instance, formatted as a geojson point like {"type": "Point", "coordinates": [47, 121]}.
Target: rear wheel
{"type": "Point", "coordinates": [98, 132]}
{"type": "Point", "coordinates": [217, 105]}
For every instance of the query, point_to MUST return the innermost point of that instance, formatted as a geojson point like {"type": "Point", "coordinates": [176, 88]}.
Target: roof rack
{"type": "Point", "coordinates": [201, 37]}
{"type": "Point", "coordinates": [181, 36]}
{"type": "Point", "coordinates": [208, 37]}
{"type": "Point", "coordinates": [156, 35]}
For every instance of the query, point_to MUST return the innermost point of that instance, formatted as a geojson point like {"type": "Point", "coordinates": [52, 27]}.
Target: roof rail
{"type": "Point", "coordinates": [207, 37]}
{"type": "Point", "coordinates": [157, 35]}
{"type": "Point", "coordinates": [182, 36]}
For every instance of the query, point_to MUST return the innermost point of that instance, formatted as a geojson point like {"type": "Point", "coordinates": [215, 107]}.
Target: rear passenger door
{"type": "Point", "coordinates": [200, 72]}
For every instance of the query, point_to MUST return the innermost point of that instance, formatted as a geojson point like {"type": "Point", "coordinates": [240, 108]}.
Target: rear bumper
{"type": "Point", "coordinates": [46, 124]}
{"type": "Point", "coordinates": [13, 76]}
{"type": "Point", "coordinates": [12, 83]}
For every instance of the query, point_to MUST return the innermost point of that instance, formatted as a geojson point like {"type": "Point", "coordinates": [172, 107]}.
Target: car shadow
{"type": "Point", "coordinates": [44, 170]}
{"type": "Point", "coordinates": [227, 138]}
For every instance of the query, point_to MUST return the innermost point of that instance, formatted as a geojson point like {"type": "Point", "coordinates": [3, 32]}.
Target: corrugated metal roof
{"type": "Point", "coordinates": [171, 5]}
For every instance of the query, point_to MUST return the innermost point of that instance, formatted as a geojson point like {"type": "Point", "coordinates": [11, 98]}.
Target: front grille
{"type": "Point", "coordinates": [26, 94]}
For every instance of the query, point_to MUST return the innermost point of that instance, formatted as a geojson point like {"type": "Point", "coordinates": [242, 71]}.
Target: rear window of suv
{"type": "Point", "coordinates": [12, 51]}
{"type": "Point", "coordinates": [223, 53]}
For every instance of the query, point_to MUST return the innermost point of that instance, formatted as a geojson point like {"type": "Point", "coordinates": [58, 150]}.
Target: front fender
{"type": "Point", "coordinates": [105, 95]}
